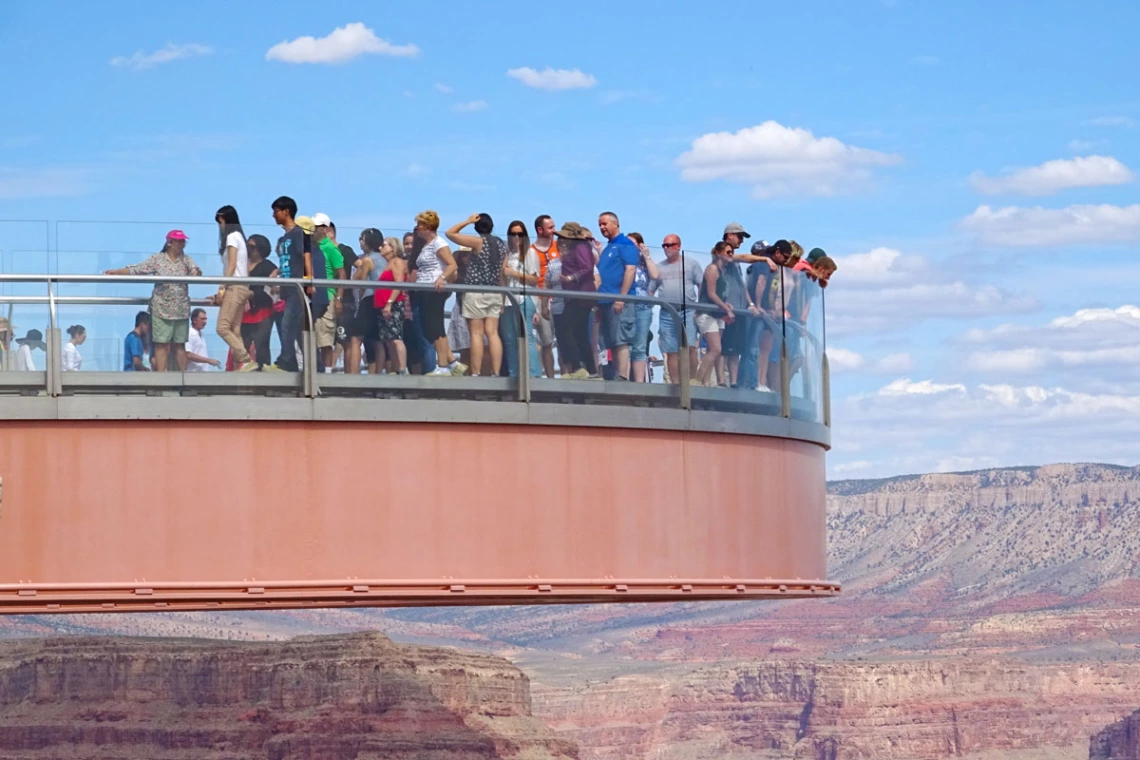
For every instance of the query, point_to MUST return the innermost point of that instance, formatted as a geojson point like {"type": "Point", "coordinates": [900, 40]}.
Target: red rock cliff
{"type": "Point", "coordinates": [353, 697]}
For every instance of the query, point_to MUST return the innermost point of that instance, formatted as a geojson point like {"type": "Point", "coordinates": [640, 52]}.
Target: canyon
{"type": "Point", "coordinates": [321, 698]}
{"type": "Point", "coordinates": [992, 615]}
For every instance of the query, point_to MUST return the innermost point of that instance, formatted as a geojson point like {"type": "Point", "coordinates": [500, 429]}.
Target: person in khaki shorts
{"type": "Point", "coordinates": [232, 298]}
{"type": "Point", "coordinates": [484, 267]}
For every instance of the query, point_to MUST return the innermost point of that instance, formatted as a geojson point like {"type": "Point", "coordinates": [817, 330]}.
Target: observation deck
{"type": "Point", "coordinates": [132, 491]}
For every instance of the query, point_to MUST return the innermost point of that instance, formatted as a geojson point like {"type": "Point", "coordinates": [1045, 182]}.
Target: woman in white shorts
{"type": "Point", "coordinates": [482, 310]}
{"type": "Point", "coordinates": [711, 323]}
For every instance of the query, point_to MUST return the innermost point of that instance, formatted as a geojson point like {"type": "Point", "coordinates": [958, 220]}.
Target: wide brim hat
{"type": "Point", "coordinates": [573, 231]}
{"type": "Point", "coordinates": [34, 338]}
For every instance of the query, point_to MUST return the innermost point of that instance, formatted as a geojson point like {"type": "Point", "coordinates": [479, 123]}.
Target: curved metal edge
{"type": "Point", "coordinates": [334, 409]}
{"type": "Point", "coordinates": [141, 597]}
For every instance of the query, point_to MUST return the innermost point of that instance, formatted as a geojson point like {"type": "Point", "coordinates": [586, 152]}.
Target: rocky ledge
{"type": "Point", "coordinates": [318, 698]}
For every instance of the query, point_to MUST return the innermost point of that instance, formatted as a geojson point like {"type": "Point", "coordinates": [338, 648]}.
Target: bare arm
{"type": "Point", "coordinates": [202, 359]}
{"type": "Point", "coordinates": [399, 274]}
{"type": "Point", "coordinates": [651, 267]}
{"type": "Point", "coordinates": [137, 363]}
{"type": "Point", "coordinates": [752, 258]}
{"type": "Point", "coordinates": [363, 268]}
{"type": "Point", "coordinates": [449, 267]}
{"type": "Point", "coordinates": [474, 242]}
{"type": "Point", "coordinates": [712, 274]}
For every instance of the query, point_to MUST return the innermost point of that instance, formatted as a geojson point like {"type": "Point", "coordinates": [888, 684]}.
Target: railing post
{"type": "Point", "coordinates": [53, 365]}
{"type": "Point", "coordinates": [684, 368]}
{"type": "Point", "coordinates": [524, 352]}
{"type": "Point", "coordinates": [308, 349]}
{"type": "Point", "coordinates": [785, 380]}
{"type": "Point", "coordinates": [825, 389]}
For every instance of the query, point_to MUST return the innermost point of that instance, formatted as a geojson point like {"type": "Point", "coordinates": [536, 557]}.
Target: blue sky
{"type": "Point", "coordinates": [969, 164]}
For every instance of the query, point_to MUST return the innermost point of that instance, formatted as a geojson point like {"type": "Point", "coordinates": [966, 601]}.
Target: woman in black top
{"type": "Point", "coordinates": [257, 323]}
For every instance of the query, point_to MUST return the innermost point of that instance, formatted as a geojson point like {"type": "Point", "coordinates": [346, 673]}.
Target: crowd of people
{"type": "Point", "coordinates": [735, 338]}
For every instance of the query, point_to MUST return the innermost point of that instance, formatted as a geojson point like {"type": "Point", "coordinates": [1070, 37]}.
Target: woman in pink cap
{"type": "Point", "coordinates": [170, 302]}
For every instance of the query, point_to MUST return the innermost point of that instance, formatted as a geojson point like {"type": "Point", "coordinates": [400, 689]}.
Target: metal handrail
{"type": "Point", "coordinates": [311, 381]}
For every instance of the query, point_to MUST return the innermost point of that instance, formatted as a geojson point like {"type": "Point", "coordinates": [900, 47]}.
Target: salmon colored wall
{"type": "Point", "coordinates": [127, 501]}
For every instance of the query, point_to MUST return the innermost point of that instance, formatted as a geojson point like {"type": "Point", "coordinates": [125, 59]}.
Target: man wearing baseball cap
{"type": "Point", "coordinates": [334, 270]}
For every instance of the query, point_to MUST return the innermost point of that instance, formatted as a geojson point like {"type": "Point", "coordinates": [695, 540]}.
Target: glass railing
{"type": "Point", "coordinates": [781, 337]}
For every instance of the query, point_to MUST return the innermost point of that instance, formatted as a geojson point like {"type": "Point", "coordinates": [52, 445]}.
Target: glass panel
{"type": "Point", "coordinates": [24, 249]}
{"type": "Point", "coordinates": [804, 341]}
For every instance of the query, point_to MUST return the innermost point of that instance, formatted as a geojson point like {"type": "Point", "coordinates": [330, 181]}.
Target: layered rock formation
{"type": "Point", "coordinates": [991, 615]}
{"type": "Point", "coordinates": [1120, 741]}
{"type": "Point", "coordinates": [923, 710]}
{"type": "Point", "coordinates": [317, 698]}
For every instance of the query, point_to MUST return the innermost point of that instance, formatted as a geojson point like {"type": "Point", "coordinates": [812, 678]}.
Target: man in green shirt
{"type": "Point", "coordinates": [334, 270]}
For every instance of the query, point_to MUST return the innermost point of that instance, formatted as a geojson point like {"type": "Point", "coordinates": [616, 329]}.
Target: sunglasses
{"type": "Point", "coordinates": [670, 245]}
{"type": "Point", "coordinates": [515, 234]}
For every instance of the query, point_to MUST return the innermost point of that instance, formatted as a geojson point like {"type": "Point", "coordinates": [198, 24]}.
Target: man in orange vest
{"type": "Point", "coordinates": [546, 250]}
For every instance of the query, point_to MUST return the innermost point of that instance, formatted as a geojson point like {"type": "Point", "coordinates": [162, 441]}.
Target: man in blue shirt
{"type": "Point", "coordinates": [617, 266]}
{"type": "Point", "coordinates": [134, 347]}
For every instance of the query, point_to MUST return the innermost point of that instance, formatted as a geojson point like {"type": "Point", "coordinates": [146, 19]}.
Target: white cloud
{"type": "Point", "coordinates": [1100, 339]}
{"type": "Point", "coordinates": [553, 79]}
{"type": "Point", "coordinates": [343, 44]}
{"type": "Point", "coordinates": [1111, 121]}
{"type": "Point", "coordinates": [470, 106]}
{"type": "Point", "coordinates": [445, 89]}
{"type": "Point", "coordinates": [1037, 226]}
{"type": "Point", "coordinates": [885, 289]}
{"type": "Point", "coordinates": [415, 171]}
{"type": "Point", "coordinates": [1082, 146]}
{"type": "Point", "coordinates": [923, 426]}
{"type": "Point", "coordinates": [908, 387]}
{"type": "Point", "coordinates": [1052, 176]}
{"type": "Point", "coordinates": [170, 52]}
{"type": "Point", "coordinates": [892, 363]}
{"type": "Point", "coordinates": [844, 360]}
{"type": "Point", "coordinates": [20, 183]}
{"type": "Point", "coordinates": [777, 160]}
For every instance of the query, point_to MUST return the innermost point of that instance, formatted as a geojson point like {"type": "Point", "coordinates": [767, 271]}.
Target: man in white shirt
{"type": "Point", "coordinates": [34, 339]}
{"type": "Point", "coordinates": [197, 355]}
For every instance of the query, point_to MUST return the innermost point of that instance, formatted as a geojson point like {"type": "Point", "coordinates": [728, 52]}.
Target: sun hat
{"type": "Point", "coordinates": [306, 224]}
{"type": "Point", "coordinates": [176, 235]}
{"type": "Point", "coordinates": [321, 220]}
{"type": "Point", "coordinates": [34, 338]}
{"type": "Point", "coordinates": [573, 231]}
{"type": "Point", "coordinates": [735, 228]}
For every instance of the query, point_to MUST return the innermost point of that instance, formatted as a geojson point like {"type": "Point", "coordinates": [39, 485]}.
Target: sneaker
{"type": "Point", "coordinates": [440, 372]}
{"type": "Point", "coordinates": [271, 368]}
{"type": "Point", "coordinates": [403, 372]}
{"type": "Point", "coordinates": [581, 374]}
{"type": "Point", "coordinates": [458, 369]}
{"type": "Point", "coordinates": [250, 366]}
{"type": "Point", "coordinates": [764, 389]}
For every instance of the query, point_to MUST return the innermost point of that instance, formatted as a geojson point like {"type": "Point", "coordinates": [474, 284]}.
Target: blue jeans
{"type": "Point", "coordinates": [642, 319]}
{"type": "Point", "coordinates": [292, 322]}
{"type": "Point", "coordinates": [509, 333]}
{"type": "Point", "coordinates": [749, 373]}
{"type": "Point", "coordinates": [427, 350]}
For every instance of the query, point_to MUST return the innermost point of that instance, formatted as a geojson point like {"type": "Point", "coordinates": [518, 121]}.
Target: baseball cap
{"type": "Point", "coordinates": [735, 228]}
{"type": "Point", "coordinates": [176, 235]}
{"type": "Point", "coordinates": [815, 255]}
{"type": "Point", "coordinates": [306, 224]}
{"type": "Point", "coordinates": [321, 220]}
